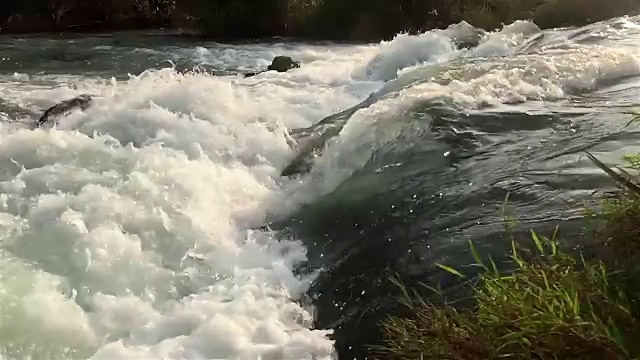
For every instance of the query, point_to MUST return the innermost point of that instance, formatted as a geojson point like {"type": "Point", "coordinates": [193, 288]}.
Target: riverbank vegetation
{"type": "Point", "coordinates": [27, 16]}
{"type": "Point", "coordinates": [315, 19]}
{"type": "Point", "coordinates": [555, 303]}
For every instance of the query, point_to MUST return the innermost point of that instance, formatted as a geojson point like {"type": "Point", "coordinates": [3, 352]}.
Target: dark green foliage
{"type": "Point", "coordinates": [58, 15]}
{"type": "Point", "coordinates": [239, 18]}
{"type": "Point", "coordinates": [382, 19]}
{"type": "Point", "coordinates": [323, 19]}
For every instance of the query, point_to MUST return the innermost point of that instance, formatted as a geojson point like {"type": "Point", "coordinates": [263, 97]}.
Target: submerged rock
{"type": "Point", "coordinates": [65, 107]}
{"type": "Point", "coordinates": [279, 64]}
{"type": "Point", "coordinates": [311, 141]}
{"type": "Point", "coordinates": [283, 64]}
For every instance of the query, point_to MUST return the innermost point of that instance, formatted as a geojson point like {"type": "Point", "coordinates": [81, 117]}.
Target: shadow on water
{"type": "Point", "coordinates": [420, 199]}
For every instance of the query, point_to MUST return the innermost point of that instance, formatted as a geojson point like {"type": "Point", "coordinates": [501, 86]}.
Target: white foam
{"type": "Point", "coordinates": [504, 42]}
{"type": "Point", "coordinates": [36, 319]}
{"type": "Point", "coordinates": [407, 50]}
{"type": "Point", "coordinates": [548, 76]}
{"type": "Point", "coordinates": [118, 202]}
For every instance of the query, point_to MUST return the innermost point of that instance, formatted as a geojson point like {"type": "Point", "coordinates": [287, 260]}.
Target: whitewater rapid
{"type": "Point", "coordinates": [129, 231]}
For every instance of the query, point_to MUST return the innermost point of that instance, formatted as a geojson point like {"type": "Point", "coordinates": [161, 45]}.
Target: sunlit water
{"type": "Point", "coordinates": [136, 229]}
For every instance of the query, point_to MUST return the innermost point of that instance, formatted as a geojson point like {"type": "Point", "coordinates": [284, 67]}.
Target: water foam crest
{"type": "Point", "coordinates": [407, 50]}
{"type": "Point", "coordinates": [139, 209]}
{"type": "Point", "coordinates": [551, 75]}
{"type": "Point", "coordinates": [436, 46]}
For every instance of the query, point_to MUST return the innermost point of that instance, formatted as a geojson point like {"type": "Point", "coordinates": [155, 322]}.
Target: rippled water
{"type": "Point", "coordinates": [136, 229]}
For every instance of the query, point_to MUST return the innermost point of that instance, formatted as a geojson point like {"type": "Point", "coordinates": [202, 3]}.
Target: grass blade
{"type": "Point", "coordinates": [614, 175]}
{"type": "Point", "coordinates": [476, 256]}
{"type": "Point", "coordinates": [450, 270]}
{"type": "Point", "coordinates": [537, 241]}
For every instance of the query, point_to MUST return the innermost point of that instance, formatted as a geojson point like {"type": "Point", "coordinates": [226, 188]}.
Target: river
{"type": "Point", "coordinates": [136, 229]}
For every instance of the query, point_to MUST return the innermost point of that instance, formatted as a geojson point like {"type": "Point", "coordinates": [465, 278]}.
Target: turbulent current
{"type": "Point", "coordinates": [156, 223]}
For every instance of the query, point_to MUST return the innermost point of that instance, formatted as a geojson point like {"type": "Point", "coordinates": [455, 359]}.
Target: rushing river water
{"type": "Point", "coordinates": [136, 229]}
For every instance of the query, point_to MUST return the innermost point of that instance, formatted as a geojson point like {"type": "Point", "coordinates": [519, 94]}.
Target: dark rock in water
{"type": "Point", "coordinates": [65, 107]}
{"type": "Point", "coordinates": [283, 64]}
{"type": "Point", "coordinates": [313, 139]}
{"type": "Point", "coordinates": [279, 64]}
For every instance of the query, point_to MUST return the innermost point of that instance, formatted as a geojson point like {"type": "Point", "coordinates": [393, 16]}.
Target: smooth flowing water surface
{"type": "Point", "coordinates": [156, 224]}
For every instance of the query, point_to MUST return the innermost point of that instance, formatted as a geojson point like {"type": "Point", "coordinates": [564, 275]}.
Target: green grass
{"type": "Point", "coordinates": [551, 307]}
{"type": "Point", "coordinates": [554, 305]}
